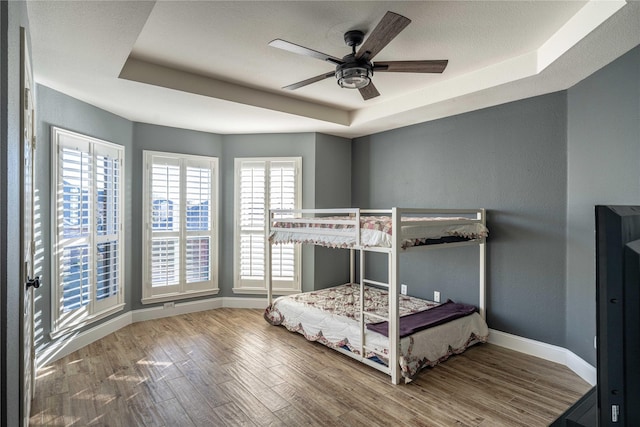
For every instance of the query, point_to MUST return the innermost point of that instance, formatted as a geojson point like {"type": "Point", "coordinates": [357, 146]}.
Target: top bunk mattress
{"type": "Point", "coordinates": [375, 231]}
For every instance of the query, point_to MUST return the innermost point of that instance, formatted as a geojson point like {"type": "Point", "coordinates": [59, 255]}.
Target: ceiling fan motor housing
{"type": "Point", "coordinates": [353, 38]}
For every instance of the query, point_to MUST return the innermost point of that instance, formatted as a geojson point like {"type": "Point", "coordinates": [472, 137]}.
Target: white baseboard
{"type": "Point", "coordinates": [195, 306]}
{"type": "Point", "coordinates": [582, 368]}
{"type": "Point", "coordinates": [67, 345]}
{"type": "Point", "coordinates": [545, 351]}
{"type": "Point", "coordinates": [159, 312]}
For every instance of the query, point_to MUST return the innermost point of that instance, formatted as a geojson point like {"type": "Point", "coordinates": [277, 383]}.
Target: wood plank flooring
{"type": "Point", "coordinates": [228, 367]}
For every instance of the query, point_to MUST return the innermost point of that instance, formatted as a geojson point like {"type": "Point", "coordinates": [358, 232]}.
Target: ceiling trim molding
{"type": "Point", "coordinates": [158, 75]}
{"type": "Point", "coordinates": [591, 16]}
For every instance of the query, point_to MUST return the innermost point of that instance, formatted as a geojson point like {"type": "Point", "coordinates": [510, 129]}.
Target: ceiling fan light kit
{"type": "Point", "coordinates": [355, 70]}
{"type": "Point", "coordinates": [353, 77]}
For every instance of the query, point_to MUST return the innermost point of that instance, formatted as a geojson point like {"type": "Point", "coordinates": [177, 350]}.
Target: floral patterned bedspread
{"type": "Point", "coordinates": [374, 231]}
{"type": "Point", "coordinates": [345, 301]}
{"type": "Point", "coordinates": [330, 316]}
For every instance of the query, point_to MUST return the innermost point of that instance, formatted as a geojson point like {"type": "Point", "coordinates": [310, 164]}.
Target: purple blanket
{"type": "Point", "coordinates": [425, 319]}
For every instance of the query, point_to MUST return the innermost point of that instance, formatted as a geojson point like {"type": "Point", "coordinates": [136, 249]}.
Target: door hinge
{"type": "Point", "coordinates": [26, 98]}
{"type": "Point", "coordinates": [35, 282]}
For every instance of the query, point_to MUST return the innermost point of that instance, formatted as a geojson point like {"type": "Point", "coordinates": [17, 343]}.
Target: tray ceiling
{"type": "Point", "coordinates": [207, 65]}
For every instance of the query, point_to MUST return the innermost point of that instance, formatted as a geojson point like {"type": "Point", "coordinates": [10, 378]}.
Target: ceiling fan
{"type": "Point", "coordinates": [354, 71]}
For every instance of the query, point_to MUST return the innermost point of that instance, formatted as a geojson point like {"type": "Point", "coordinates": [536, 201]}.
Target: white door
{"type": "Point", "coordinates": [27, 226]}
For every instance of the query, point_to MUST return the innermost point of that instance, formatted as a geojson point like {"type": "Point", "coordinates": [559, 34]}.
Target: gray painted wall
{"type": "Point", "coordinates": [332, 190]}
{"type": "Point", "coordinates": [333, 172]}
{"type": "Point", "coordinates": [57, 109]}
{"type": "Point", "coordinates": [167, 139]}
{"type": "Point", "coordinates": [510, 159]}
{"type": "Point", "coordinates": [603, 168]}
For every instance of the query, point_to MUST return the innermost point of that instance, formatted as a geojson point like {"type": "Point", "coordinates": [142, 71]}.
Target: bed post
{"type": "Point", "coordinates": [394, 278]}
{"type": "Point", "coordinates": [483, 270]}
{"type": "Point", "coordinates": [352, 266]}
{"type": "Point", "coordinates": [361, 317]}
{"type": "Point", "coordinates": [267, 267]}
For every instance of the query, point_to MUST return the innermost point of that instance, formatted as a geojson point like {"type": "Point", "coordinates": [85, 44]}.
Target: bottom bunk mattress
{"type": "Point", "coordinates": [330, 316]}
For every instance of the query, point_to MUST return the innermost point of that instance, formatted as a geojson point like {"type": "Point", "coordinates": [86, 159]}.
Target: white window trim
{"type": "Point", "coordinates": [94, 312]}
{"type": "Point", "coordinates": [260, 287]}
{"type": "Point", "coordinates": [182, 290]}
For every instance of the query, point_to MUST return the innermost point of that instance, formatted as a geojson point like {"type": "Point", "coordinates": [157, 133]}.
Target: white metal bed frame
{"type": "Point", "coordinates": [352, 218]}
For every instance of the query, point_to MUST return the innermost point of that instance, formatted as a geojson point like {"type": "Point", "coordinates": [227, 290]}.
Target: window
{"type": "Point", "coordinates": [180, 215]}
{"type": "Point", "coordinates": [259, 181]}
{"type": "Point", "coordinates": [88, 238]}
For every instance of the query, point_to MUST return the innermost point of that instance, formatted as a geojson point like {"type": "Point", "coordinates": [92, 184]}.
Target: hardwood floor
{"type": "Point", "coordinates": [228, 367]}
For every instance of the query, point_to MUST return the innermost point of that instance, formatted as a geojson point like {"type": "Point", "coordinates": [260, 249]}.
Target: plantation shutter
{"type": "Point", "coordinates": [198, 218]}
{"type": "Point", "coordinates": [283, 196]}
{"type": "Point", "coordinates": [264, 184]}
{"type": "Point", "coordinates": [107, 241]}
{"type": "Point", "coordinates": [180, 211]}
{"type": "Point", "coordinates": [75, 262]}
{"type": "Point", "coordinates": [253, 189]}
{"type": "Point", "coordinates": [165, 240]}
{"type": "Point", "coordinates": [87, 238]}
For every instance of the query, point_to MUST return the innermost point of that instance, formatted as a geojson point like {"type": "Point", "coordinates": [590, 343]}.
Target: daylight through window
{"type": "Point", "coordinates": [88, 252]}
{"type": "Point", "coordinates": [263, 184]}
{"type": "Point", "coordinates": [180, 215]}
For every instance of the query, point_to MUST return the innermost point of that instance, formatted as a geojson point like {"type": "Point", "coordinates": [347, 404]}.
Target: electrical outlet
{"type": "Point", "coordinates": [403, 289]}
{"type": "Point", "coordinates": [436, 296]}
{"type": "Point", "coordinates": [169, 304]}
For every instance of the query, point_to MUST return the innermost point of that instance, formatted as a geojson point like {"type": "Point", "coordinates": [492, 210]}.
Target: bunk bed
{"type": "Point", "coordinates": [369, 320]}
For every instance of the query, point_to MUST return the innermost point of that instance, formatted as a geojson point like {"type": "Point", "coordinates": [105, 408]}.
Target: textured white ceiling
{"type": "Point", "coordinates": [207, 65]}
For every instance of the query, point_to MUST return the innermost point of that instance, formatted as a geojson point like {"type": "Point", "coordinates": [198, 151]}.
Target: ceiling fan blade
{"type": "Point", "coordinates": [432, 66]}
{"type": "Point", "coordinates": [309, 81]}
{"type": "Point", "coordinates": [387, 29]}
{"type": "Point", "coordinates": [369, 91]}
{"type": "Point", "coordinates": [301, 50]}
